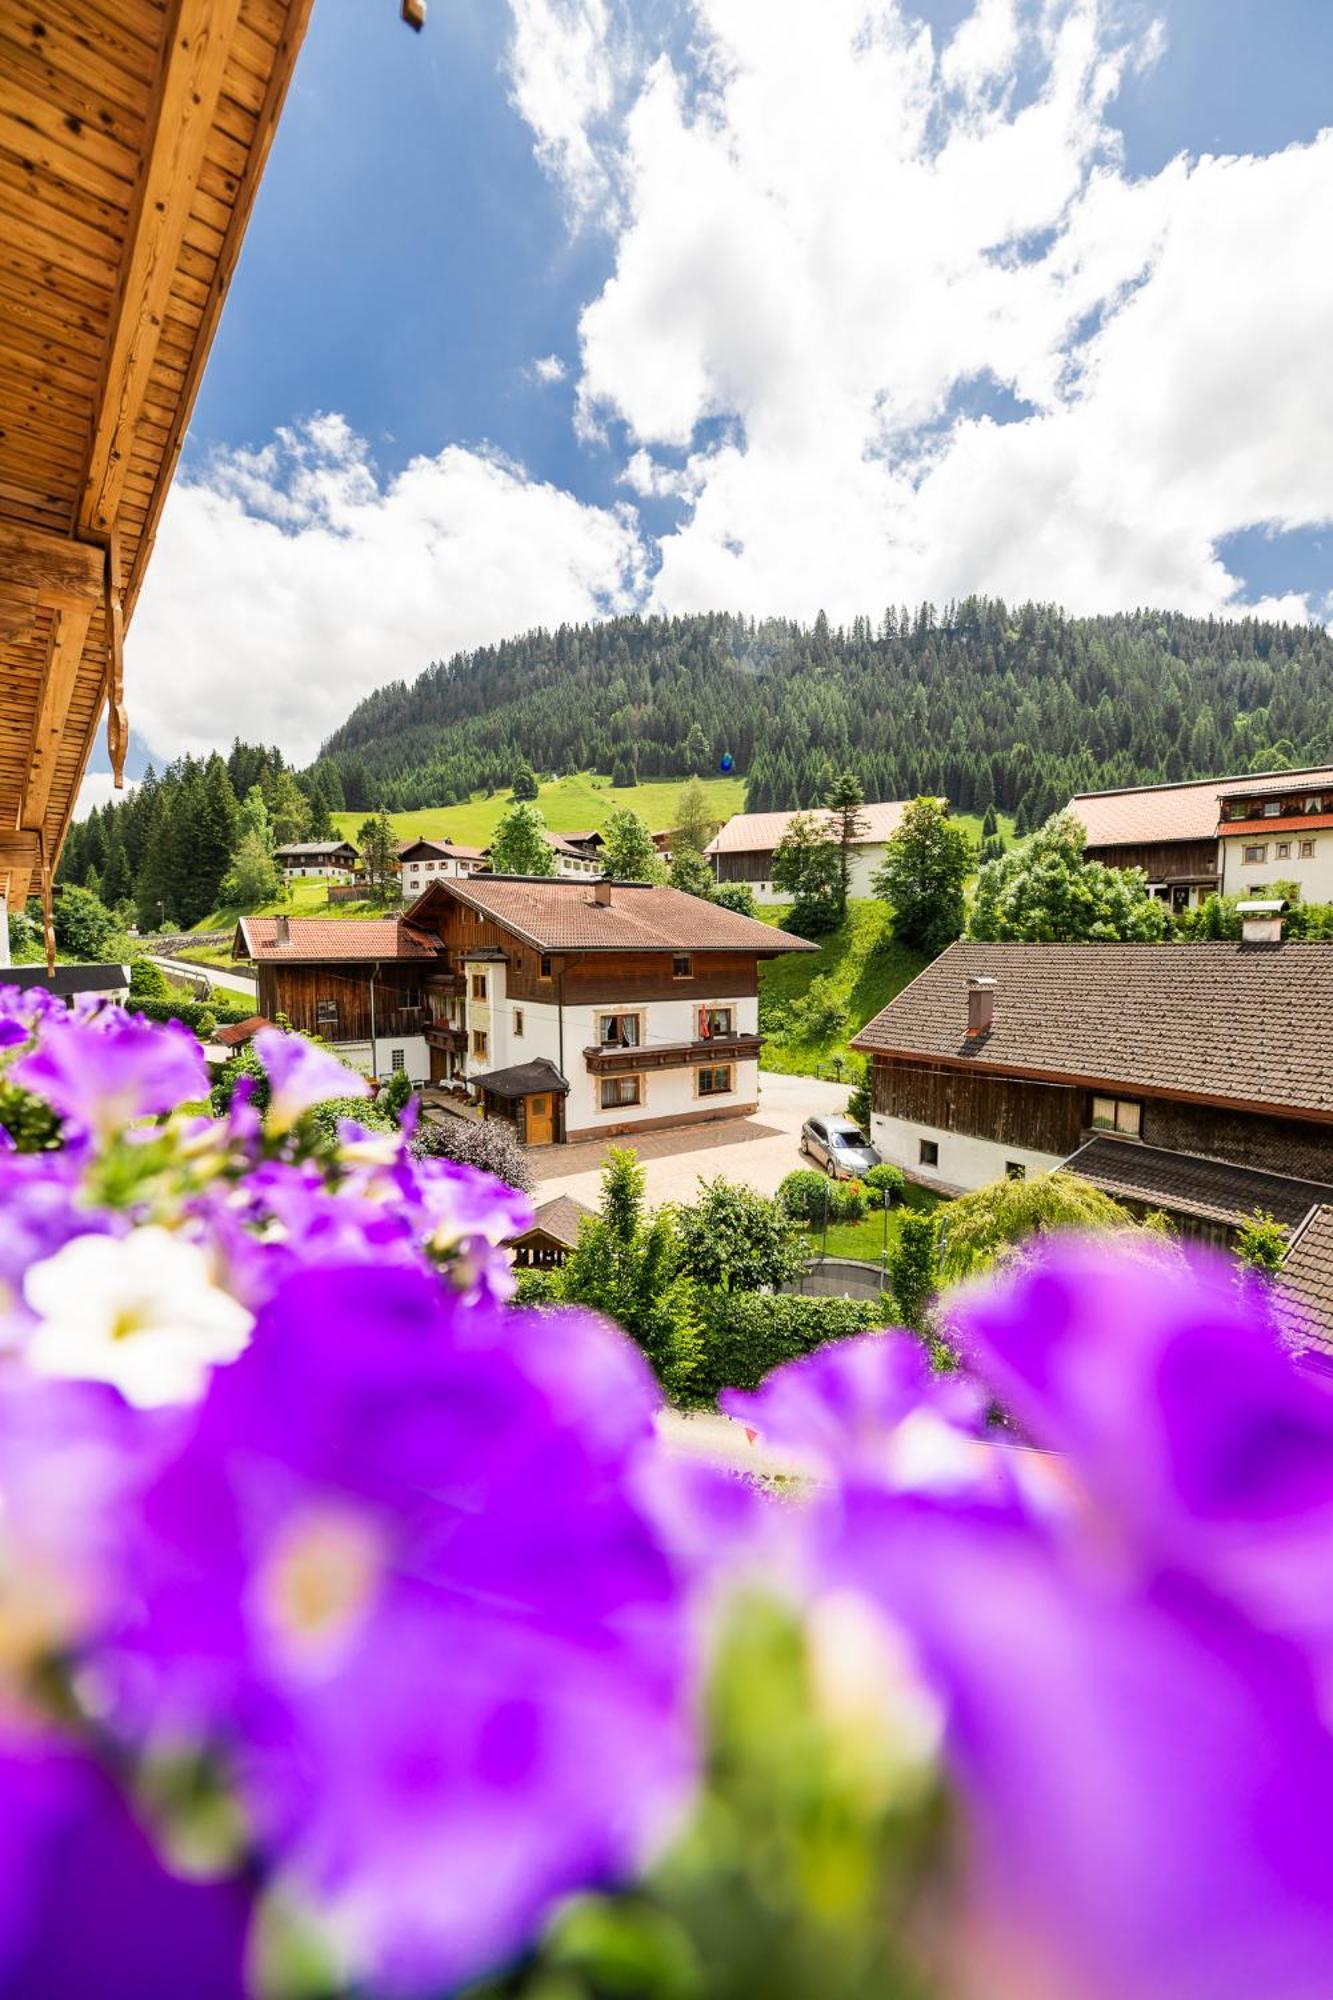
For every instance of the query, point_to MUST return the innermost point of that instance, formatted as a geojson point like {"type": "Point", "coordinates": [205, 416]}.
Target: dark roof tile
{"type": "Point", "coordinates": [1235, 1023]}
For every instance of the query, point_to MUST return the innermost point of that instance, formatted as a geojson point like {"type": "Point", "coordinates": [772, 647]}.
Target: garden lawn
{"type": "Point", "coordinates": [866, 968]}
{"type": "Point", "coordinates": [568, 805]}
{"type": "Point", "coordinates": [865, 1240]}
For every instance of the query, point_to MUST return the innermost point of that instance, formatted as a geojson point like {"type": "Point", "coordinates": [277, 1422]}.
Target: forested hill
{"type": "Point", "coordinates": [980, 702]}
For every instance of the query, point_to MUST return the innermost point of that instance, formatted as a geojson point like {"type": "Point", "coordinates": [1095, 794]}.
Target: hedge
{"type": "Point", "coordinates": [745, 1335]}
{"type": "Point", "coordinates": [200, 1015]}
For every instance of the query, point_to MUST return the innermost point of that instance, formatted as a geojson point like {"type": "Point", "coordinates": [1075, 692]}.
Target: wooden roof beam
{"type": "Point", "coordinates": [51, 568]}
{"type": "Point", "coordinates": [185, 106]}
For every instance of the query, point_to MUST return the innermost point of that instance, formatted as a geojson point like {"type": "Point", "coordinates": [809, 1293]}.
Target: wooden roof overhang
{"type": "Point", "coordinates": [133, 135]}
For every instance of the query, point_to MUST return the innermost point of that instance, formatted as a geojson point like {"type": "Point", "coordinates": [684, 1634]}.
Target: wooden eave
{"type": "Point", "coordinates": [133, 136]}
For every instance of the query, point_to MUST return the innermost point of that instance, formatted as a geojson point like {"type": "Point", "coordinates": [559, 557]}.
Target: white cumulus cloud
{"type": "Point", "coordinates": [289, 582]}
{"type": "Point", "coordinates": [833, 228]}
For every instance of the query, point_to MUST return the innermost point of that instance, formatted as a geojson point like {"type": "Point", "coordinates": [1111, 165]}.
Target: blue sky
{"type": "Point", "coordinates": [841, 297]}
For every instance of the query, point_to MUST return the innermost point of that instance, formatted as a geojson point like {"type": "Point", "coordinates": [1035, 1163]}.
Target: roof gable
{"type": "Point", "coordinates": [553, 915]}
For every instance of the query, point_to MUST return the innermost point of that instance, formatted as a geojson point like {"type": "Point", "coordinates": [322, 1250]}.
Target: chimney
{"type": "Point", "coordinates": [980, 1003]}
{"type": "Point", "coordinates": [282, 932]}
{"type": "Point", "coordinates": [1261, 921]}
{"type": "Point", "coordinates": [601, 892]}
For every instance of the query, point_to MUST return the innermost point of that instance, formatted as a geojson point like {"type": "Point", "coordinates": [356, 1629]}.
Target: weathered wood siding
{"type": "Point", "coordinates": [1163, 860]}
{"type": "Point", "coordinates": [296, 991]}
{"type": "Point", "coordinates": [1042, 1117]}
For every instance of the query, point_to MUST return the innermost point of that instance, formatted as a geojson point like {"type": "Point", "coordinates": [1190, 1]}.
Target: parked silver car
{"type": "Point", "coordinates": [840, 1147]}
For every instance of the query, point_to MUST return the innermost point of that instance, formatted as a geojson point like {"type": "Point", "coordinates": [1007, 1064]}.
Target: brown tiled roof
{"type": "Point", "coordinates": [1239, 1024]}
{"type": "Point", "coordinates": [559, 1219]}
{"type": "Point", "coordinates": [1188, 1184]}
{"type": "Point", "coordinates": [315, 847]}
{"type": "Point", "coordinates": [1141, 814]}
{"type": "Point", "coordinates": [316, 939]}
{"type": "Point", "coordinates": [552, 915]}
{"type": "Point", "coordinates": [232, 1034]}
{"type": "Point", "coordinates": [1306, 1279]}
{"type": "Point", "coordinates": [760, 833]}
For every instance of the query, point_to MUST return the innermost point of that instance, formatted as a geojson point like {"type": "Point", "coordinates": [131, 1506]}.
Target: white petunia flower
{"type": "Point", "coordinates": [140, 1312]}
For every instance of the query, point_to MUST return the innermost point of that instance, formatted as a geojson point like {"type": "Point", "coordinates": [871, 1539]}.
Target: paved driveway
{"type": "Point", "coordinates": [758, 1151]}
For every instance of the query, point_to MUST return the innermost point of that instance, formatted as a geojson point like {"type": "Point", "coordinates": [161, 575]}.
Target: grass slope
{"type": "Point", "coordinates": [567, 804]}
{"type": "Point", "coordinates": [866, 968]}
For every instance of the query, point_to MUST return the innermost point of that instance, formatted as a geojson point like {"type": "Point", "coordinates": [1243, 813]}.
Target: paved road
{"type": "Point", "coordinates": [758, 1151]}
{"type": "Point", "coordinates": [230, 981]}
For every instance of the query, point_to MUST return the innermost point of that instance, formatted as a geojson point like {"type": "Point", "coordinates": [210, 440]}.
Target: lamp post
{"type": "Point", "coordinates": [884, 1244]}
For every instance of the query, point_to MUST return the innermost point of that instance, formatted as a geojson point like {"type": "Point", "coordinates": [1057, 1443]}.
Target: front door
{"type": "Point", "coordinates": [439, 1066]}
{"type": "Point", "coordinates": [540, 1121]}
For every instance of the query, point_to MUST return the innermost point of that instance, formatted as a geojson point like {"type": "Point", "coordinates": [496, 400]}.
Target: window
{"type": "Point", "coordinates": [1282, 852]}
{"type": "Point", "coordinates": [1117, 1114]}
{"type": "Point", "coordinates": [518, 1022]}
{"type": "Point", "coordinates": [682, 966]}
{"type": "Point", "coordinates": [1307, 850]}
{"type": "Point", "coordinates": [479, 986]}
{"type": "Point", "coordinates": [409, 996]}
{"type": "Point", "coordinates": [1014, 1170]}
{"type": "Point", "coordinates": [545, 966]}
{"type": "Point", "coordinates": [715, 1080]}
{"type": "Point", "coordinates": [326, 1013]}
{"type": "Point", "coordinates": [618, 1090]}
{"type": "Point", "coordinates": [1254, 854]}
{"type": "Point", "coordinates": [619, 1031]}
{"type": "Point", "coordinates": [397, 1061]}
{"type": "Point", "coordinates": [716, 1021]}
{"type": "Point", "coordinates": [1314, 805]}
{"type": "Point", "coordinates": [480, 1042]}
{"type": "Point", "coordinates": [1272, 808]}
{"type": "Point", "coordinates": [928, 1153]}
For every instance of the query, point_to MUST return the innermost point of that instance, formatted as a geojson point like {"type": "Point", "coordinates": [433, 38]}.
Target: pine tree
{"type": "Point", "coordinates": [525, 786]}
{"type": "Point", "coordinates": [695, 823]}
{"type": "Point", "coordinates": [844, 799]}
{"type": "Point", "coordinates": [379, 855]}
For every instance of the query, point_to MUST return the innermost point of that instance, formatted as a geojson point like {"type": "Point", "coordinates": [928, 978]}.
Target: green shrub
{"type": "Point", "coordinates": [745, 1335]}
{"type": "Point", "coordinates": [199, 1015]}
{"type": "Point", "coordinates": [394, 1094]}
{"type": "Point", "coordinates": [913, 1273]}
{"type": "Point", "coordinates": [1261, 1241]}
{"type": "Point", "coordinates": [849, 1201]}
{"type": "Point", "coordinates": [807, 1196]}
{"type": "Point", "coordinates": [886, 1179]}
{"type": "Point", "coordinates": [148, 981]}
{"type": "Point", "coordinates": [732, 1239]}
{"type": "Point", "coordinates": [537, 1288]}
{"type": "Point", "coordinates": [819, 1015]}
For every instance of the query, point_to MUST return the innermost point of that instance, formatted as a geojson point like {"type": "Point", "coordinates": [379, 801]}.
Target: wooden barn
{"type": "Point", "coordinates": [133, 136]}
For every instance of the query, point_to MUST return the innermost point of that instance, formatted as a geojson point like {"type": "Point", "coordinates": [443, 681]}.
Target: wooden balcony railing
{"type": "Point", "coordinates": [443, 1035]}
{"type": "Point", "coordinates": [607, 1061]}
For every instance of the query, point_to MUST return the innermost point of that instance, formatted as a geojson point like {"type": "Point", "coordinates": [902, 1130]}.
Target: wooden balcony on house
{"type": "Point", "coordinates": [618, 1061]}
{"type": "Point", "coordinates": [443, 1035]}
{"type": "Point", "coordinates": [444, 982]}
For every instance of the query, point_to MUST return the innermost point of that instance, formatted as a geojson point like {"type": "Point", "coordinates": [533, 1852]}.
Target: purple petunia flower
{"type": "Point", "coordinates": [300, 1077]}
{"type": "Point", "coordinates": [86, 1905]}
{"type": "Point", "coordinates": [100, 1074]}
{"type": "Point", "coordinates": [397, 1569]}
{"type": "Point", "coordinates": [1171, 1393]}
{"type": "Point", "coordinates": [870, 1408]}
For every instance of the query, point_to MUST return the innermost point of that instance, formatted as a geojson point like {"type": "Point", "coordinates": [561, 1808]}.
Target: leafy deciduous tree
{"type": "Point", "coordinates": [520, 846]}
{"type": "Point", "coordinates": [1046, 893]}
{"type": "Point", "coordinates": [926, 863]}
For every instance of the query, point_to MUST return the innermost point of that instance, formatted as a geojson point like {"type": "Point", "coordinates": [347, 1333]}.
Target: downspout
{"type": "Point", "coordinates": [374, 1058]}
